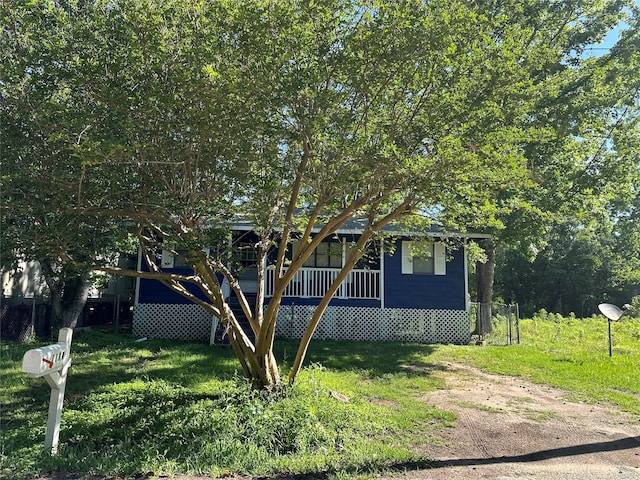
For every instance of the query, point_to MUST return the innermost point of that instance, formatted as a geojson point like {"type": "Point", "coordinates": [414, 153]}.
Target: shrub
{"type": "Point", "coordinates": [634, 307]}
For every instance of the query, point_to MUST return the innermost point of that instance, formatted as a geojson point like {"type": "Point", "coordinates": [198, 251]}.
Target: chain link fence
{"type": "Point", "coordinates": [22, 318]}
{"type": "Point", "coordinates": [495, 323]}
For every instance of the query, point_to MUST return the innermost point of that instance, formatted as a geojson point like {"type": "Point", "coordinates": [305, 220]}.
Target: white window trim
{"type": "Point", "coordinates": [168, 259]}
{"type": "Point", "coordinates": [439, 258]}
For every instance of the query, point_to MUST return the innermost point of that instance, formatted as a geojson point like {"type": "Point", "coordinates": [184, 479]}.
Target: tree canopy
{"type": "Point", "coordinates": [586, 247]}
{"type": "Point", "coordinates": [168, 119]}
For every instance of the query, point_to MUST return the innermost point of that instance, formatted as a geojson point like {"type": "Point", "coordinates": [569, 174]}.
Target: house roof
{"type": "Point", "coordinates": [356, 226]}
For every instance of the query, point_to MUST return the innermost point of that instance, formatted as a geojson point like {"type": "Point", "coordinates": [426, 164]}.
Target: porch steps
{"type": "Point", "coordinates": [220, 335]}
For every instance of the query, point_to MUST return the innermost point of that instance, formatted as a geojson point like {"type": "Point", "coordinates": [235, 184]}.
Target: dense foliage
{"type": "Point", "coordinates": [576, 270]}
{"type": "Point", "coordinates": [573, 240]}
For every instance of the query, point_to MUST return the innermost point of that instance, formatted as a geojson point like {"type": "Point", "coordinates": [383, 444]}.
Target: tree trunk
{"type": "Point", "coordinates": [484, 281]}
{"type": "Point", "coordinates": [74, 299]}
{"type": "Point", "coordinates": [350, 263]}
{"type": "Point", "coordinates": [68, 297]}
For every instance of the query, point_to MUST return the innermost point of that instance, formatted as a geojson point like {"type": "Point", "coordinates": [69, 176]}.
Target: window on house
{"type": "Point", "coordinates": [370, 259]}
{"type": "Point", "coordinates": [248, 255]}
{"type": "Point", "coordinates": [326, 255]}
{"type": "Point", "coordinates": [424, 266]}
{"type": "Point", "coordinates": [429, 259]}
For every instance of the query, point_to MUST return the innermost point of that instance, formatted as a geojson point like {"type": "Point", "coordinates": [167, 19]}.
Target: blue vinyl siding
{"type": "Point", "coordinates": [400, 290]}
{"type": "Point", "coordinates": [424, 291]}
{"type": "Point", "coordinates": [152, 291]}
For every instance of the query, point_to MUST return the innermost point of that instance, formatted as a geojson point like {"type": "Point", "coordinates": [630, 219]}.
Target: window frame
{"type": "Point", "coordinates": [334, 254]}
{"type": "Point", "coordinates": [438, 257]}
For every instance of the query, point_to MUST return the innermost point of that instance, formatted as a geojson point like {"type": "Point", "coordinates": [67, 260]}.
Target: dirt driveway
{"type": "Point", "coordinates": [508, 428]}
{"type": "Point", "coordinates": [511, 429]}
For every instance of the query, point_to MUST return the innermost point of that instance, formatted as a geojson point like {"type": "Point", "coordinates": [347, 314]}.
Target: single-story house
{"type": "Point", "coordinates": [392, 294]}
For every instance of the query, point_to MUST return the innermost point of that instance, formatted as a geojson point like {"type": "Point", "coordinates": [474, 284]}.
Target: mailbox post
{"type": "Point", "coordinates": [51, 362]}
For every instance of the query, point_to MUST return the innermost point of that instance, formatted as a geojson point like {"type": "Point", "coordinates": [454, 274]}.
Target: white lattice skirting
{"type": "Point", "coordinates": [191, 322]}
{"type": "Point", "coordinates": [180, 322]}
{"type": "Point", "coordinates": [375, 324]}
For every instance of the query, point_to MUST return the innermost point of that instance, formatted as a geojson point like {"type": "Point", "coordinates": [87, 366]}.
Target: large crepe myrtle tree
{"type": "Point", "coordinates": [298, 117]}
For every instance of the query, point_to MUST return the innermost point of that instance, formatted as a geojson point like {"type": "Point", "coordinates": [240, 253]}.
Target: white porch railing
{"type": "Point", "coordinates": [314, 282]}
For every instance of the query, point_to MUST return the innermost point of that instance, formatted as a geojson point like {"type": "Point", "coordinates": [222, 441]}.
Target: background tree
{"type": "Point", "coordinates": [45, 115]}
{"type": "Point", "coordinates": [571, 273]}
{"type": "Point", "coordinates": [581, 164]}
{"type": "Point", "coordinates": [588, 252]}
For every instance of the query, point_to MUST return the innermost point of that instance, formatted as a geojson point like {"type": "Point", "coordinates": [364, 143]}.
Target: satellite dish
{"type": "Point", "coordinates": [610, 311]}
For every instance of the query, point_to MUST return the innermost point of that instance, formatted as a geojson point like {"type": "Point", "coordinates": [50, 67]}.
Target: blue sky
{"type": "Point", "coordinates": [611, 39]}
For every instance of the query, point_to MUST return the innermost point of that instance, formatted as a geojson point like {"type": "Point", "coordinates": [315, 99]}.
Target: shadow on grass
{"type": "Point", "coordinates": [575, 450]}
{"type": "Point", "coordinates": [185, 363]}
{"type": "Point", "coordinates": [150, 410]}
{"type": "Point", "coordinates": [626, 443]}
{"type": "Point", "coordinates": [374, 468]}
{"type": "Point", "coordinates": [100, 359]}
{"type": "Point", "coordinates": [376, 358]}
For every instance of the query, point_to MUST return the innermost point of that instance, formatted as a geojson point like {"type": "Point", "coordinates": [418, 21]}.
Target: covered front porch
{"type": "Point", "coordinates": [313, 282]}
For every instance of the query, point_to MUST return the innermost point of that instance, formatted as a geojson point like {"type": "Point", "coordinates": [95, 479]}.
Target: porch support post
{"type": "Point", "coordinates": [136, 297]}
{"type": "Point", "coordinates": [467, 299]}
{"type": "Point", "coordinates": [381, 286]}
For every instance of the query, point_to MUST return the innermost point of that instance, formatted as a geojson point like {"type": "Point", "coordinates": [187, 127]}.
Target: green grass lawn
{"type": "Point", "coordinates": [569, 353]}
{"type": "Point", "coordinates": [170, 407]}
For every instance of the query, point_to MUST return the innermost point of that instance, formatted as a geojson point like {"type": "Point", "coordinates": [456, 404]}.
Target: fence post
{"type": "Point", "coordinates": [517, 323]}
{"type": "Point", "coordinates": [510, 324]}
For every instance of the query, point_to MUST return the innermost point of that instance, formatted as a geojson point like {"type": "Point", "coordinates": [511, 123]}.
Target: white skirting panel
{"type": "Point", "coordinates": [191, 322]}
{"type": "Point", "coordinates": [180, 322]}
{"type": "Point", "coordinates": [376, 324]}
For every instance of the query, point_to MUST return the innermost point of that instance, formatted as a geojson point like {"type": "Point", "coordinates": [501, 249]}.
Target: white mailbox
{"type": "Point", "coordinates": [51, 362]}
{"type": "Point", "coordinates": [45, 360]}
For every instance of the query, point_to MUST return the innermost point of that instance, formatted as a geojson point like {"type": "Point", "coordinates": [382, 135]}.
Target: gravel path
{"type": "Point", "coordinates": [508, 428]}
